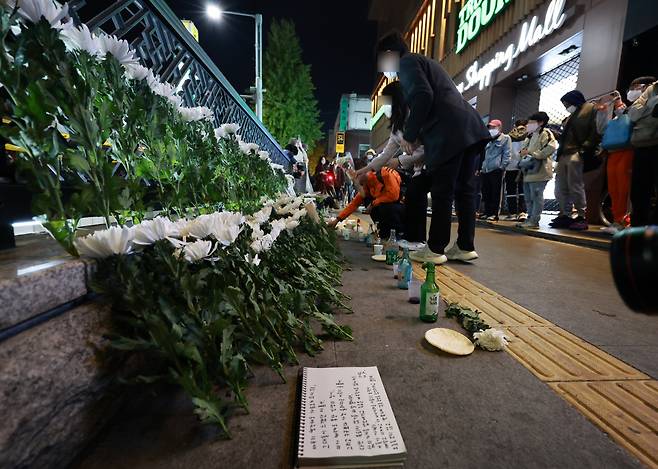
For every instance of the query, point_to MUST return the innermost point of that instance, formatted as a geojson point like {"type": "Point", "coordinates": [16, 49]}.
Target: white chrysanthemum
{"type": "Point", "coordinates": [34, 10]}
{"type": "Point", "coordinates": [106, 243]}
{"type": "Point", "coordinates": [262, 244]}
{"type": "Point", "coordinates": [82, 39]}
{"type": "Point", "coordinates": [263, 215]}
{"type": "Point", "coordinates": [226, 233]}
{"type": "Point", "coordinates": [248, 148]}
{"type": "Point", "coordinates": [264, 155]}
{"type": "Point", "coordinates": [492, 340]}
{"type": "Point", "coordinates": [256, 232]}
{"type": "Point", "coordinates": [299, 214]}
{"type": "Point", "coordinates": [276, 167]}
{"type": "Point", "coordinates": [291, 224]}
{"type": "Point", "coordinates": [255, 260]}
{"type": "Point", "coordinates": [193, 114]}
{"type": "Point", "coordinates": [196, 251]}
{"type": "Point", "coordinates": [150, 231]}
{"type": "Point", "coordinates": [137, 72]}
{"type": "Point", "coordinates": [118, 48]}
{"type": "Point", "coordinates": [201, 227]}
{"type": "Point", "coordinates": [226, 130]}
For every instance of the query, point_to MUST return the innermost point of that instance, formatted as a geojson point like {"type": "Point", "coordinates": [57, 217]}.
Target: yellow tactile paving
{"type": "Point", "coordinates": [626, 410]}
{"type": "Point", "coordinates": [553, 354]}
{"type": "Point", "coordinates": [619, 399]}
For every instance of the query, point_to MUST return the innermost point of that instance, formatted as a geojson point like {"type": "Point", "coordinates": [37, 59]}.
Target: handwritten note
{"type": "Point", "coordinates": [346, 413]}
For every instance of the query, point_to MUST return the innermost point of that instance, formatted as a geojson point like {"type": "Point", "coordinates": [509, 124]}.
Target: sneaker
{"type": "Point", "coordinates": [510, 217]}
{"type": "Point", "coordinates": [427, 255]}
{"type": "Point", "coordinates": [456, 254]}
{"type": "Point", "coordinates": [579, 224]}
{"type": "Point", "coordinates": [492, 218]}
{"type": "Point", "coordinates": [415, 246]}
{"type": "Point", "coordinates": [561, 222]}
{"type": "Point", "coordinates": [523, 217]}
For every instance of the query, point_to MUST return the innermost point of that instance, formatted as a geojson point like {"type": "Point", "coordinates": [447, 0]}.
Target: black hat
{"type": "Point", "coordinates": [540, 116]}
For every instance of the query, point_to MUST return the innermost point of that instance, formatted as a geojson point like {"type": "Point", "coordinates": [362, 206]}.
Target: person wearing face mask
{"type": "Point", "coordinates": [513, 177]}
{"type": "Point", "coordinates": [577, 146]}
{"type": "Point", "coordinates": [453, 135]}
{"type": "Point", "coordinates": [496, 158]}
{"type": "Point", "coordinates": [644, 183]}
{"type": "Point", "coordinates": [537, 166]}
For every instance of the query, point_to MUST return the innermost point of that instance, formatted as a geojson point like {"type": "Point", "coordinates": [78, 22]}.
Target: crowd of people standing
{"type": "Point", "coordinates": [440, 145]}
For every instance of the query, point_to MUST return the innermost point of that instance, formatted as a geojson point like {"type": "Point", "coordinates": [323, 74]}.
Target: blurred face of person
{"type": "Point", "coordinates": [635, 91]}
{"type": "Point", "coordinates": [532, 126]}
{"type": "Point", "coordinates": [323, 160]}
{"type": "Point", "coordinates": [389, 64]}
{"type": "Point", "coordinates": [494, 130]}
{"type": "Point", "coordinates": [571, 108]}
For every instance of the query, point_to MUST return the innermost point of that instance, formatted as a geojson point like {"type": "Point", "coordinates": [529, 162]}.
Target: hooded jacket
{"type": "Point", "coordinates": [382, 192]}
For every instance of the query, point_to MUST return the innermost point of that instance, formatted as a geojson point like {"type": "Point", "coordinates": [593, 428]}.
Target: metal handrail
{"type": "Point", "coordinates": [170, 51]}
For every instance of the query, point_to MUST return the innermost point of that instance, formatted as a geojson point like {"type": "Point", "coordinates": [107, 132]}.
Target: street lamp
{"type": "Point", "coordinates": [215, 13]}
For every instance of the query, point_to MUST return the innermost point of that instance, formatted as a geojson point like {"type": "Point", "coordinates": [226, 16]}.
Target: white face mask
{"type": "Point", "coordinates": [632, 95]}
{"type": "Point", "coordinates": [571, 109]}
{"type": "Point", "coordinates": [391, 75]}
{"type": "Point", "coordinates": [494, 132]}
{"type": "Point", "coordinates": [532, 127]}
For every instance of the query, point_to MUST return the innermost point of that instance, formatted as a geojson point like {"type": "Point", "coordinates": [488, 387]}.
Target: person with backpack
{"type": "Point", "coordinates": [576, 152]}
{"type": "Point", "coordinates": [644, 182]}
{"type": "Point", "coordinates": [496, 158]}
{"type": "Point", "coordinates": [453, 135]}
{"type": "Point", "coordinates": [379, 191]}
{"type": "Point", "coordinates": [537, 166]}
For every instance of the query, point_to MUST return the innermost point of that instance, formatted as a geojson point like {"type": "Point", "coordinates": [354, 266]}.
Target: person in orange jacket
{"type": "Point", "coordinates": [380, 192]}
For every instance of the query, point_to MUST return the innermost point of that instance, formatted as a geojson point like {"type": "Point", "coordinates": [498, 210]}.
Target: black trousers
{"type": "Point", "coordinates": [492, 191]}
{"type": "Point", "coordinates": [415, 223]}
{"type": "Point", "coordinates": [452, 181]}
{"type": "Point", "coordinates": [389, 217]}
{"type": "Point", "coordinates": [644, 186]}
{"type": "Point", "coordinates": [512, 189]}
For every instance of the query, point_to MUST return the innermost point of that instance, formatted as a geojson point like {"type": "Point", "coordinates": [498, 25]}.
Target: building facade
{"type": "Point", "coordinates": [353, 121]}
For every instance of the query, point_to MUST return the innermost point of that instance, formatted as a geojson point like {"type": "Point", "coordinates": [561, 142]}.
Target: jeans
{"type": "Point", "coordinates": [453, 181]}
{"type": "Point", "coordinates": [644, 186]}
{"type": "Point", "coordinates": [492, 191]}
{"type": "Point", "coordinates": [570, 185]}
{"type": "Point", "coordinates": [534, 199]}
{"type": "Point", "coordinates": [514, 191]}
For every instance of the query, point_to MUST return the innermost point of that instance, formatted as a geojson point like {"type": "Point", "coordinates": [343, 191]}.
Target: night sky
{"type": "Point", "coordinates": [336, 38]}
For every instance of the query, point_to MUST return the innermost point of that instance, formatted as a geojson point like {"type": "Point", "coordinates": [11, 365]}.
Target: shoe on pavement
{"type": "Point", "coordinates": [427, 255]}
{"type": "Point", "coordinates": [510, 217]}
{"type": "Point", "coordinates": [411, 245]}
{"type": "Point", "coordinates": [562, 222]}
{"type": "Point", "coordinates": [579, 224]}
{"type": "Point", "coordinates": [456, 254]}
{"type": "Point", "coordinates": [523, 217]}
{"type": "Point", "coordinates": [526, 225]}
{"type": "Point", "coordinates": [492, 218]}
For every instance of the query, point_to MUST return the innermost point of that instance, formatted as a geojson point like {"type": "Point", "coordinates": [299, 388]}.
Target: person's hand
{"type": "Point", "coordinates": [408, 147]}
{"type": "Point", "coordinates": [333, 223]}
{"type": "Point", "coordinates": [394, 163]}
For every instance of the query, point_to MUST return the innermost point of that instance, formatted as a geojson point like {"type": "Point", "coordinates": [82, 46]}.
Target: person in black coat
{"type": "Point", "coordinates": [453, 134]}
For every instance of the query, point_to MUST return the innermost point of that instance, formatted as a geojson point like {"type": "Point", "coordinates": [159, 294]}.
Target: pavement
{"type": "Point", "coordinates": [484, 410]}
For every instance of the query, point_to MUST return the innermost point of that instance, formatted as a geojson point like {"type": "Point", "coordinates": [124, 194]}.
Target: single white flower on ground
{"type": "Point", "coordinates": [118, 48]}
{"type": "Point", "coordinates": [82, 39]}
{"type": "Point", "coordinates": [197, 250]}
{"type": "Point", "coordinates": [150, 231]}
{"type": "Point", "coordinates": [492, 340]}
{"type": "Point", "coordinates": [264, 155]}
{"type": "Point", "coordinates": [105, 243]}
{"type": "Point", "coordinates": [34, 10]}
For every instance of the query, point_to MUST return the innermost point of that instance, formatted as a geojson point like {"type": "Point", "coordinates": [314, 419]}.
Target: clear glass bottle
{"type": "Point", "coordinates": [429, 296]}
{"type": "Point", "coordinates": [404, 270]}
{"type": "Point", "coordinates": [391, 249]}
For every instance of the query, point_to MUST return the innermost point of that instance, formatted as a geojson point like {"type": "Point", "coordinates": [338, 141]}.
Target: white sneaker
{"type": "Point", "coordinates": [523, 217]}
{"type": "Point", "coordinates": [456, 254]}
{"type": "Point", "coordinates": [510, 217]}
{"type": "Point", "coordinates": [426, 255]}
{"type": "Point", "coordinates": [414, 246]}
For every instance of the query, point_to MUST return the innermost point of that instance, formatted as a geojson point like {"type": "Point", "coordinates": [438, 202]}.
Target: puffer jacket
{"type": "Point", "coordinates": [541, 145]}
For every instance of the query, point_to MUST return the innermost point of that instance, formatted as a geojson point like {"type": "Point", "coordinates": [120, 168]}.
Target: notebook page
{"type": "Point", "coordinates": [346, 413]}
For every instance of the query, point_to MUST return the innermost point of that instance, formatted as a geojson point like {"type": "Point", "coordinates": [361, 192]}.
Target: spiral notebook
{"type": "Point", "coordinates": [346, 420]}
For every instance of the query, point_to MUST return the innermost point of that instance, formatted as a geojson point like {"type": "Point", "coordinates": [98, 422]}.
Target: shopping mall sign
{"type": "Point", "coordinates": [474, 16]}
{"type": "Point", "coordinates": [532, 32]}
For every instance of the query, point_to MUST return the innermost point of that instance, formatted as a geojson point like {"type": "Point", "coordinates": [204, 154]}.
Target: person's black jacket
{"type": "Point", "coordinates": [439, 116]}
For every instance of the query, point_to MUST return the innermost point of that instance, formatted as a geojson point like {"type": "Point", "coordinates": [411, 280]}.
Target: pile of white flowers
{"type": "Point", "coordinates": [493, 340]}
{"type": "Point", "coordinates": [99, 45]}
{"type": "Point", "coordinates": [201, 237]}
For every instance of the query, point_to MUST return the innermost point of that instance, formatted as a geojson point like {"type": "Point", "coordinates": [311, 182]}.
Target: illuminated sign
{"type": "Point", "coordinates": [474, 16]}
{"type": "Point", "coordinates": [340, 142]}
{"type": "Point", "coordinates": [532, 32]}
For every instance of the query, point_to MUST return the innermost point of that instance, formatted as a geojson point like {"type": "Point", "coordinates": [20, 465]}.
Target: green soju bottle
{"type": "Point", "coordinates": [429, 296]}
{"type": "Point", "coordinates": [404, 270]}
{"type": "Point", "coordinates": [391, 249]}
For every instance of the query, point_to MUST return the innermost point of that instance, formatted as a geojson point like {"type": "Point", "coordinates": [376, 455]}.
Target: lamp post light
{"type": "Point", "coordinates": [215, 13]}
